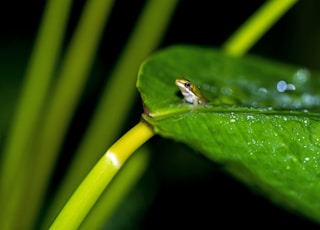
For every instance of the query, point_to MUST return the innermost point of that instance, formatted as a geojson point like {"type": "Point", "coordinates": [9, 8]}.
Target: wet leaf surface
{"type": "Point", "coordinates": [262, 121]}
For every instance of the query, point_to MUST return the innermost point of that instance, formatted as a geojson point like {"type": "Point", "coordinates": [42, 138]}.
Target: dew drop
{"type": "Point", "coordinates": [250, 117]}
{"type": "Point", "coordinates": [232, 117]}
{"type": "Point", "coordinates": [226, 91]}
{"type": "Point", "coordinates": [262, 90]}
{"type": "Point", "coordinates": [301, 76]}
{"type": "Point", "coordinates": [310, 100]}
{"type": "Point", "coordinates": [315, 134]}
{"type": "Point", "coordinates": [291, 87]}
{"type": "Point", "coordinates": [281, 86]}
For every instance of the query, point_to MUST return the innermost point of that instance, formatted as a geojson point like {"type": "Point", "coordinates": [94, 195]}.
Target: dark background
{"type": "Point", "coordinates": [188, 190]}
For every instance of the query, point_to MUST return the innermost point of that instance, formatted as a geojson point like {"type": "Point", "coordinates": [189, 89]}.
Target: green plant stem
{"type": "Point", "coordinates": [120, 186]}
{"type": "Point", "coordinates": [18, 156]}
{"type": "Point", "coordinates": [257, 25]}
{"type": "Point", "coordinates": [71, 81]}
{"type": "Point", "coordinates": [100, 176]}
{"type": "Point", "coordinates": [118, 96]}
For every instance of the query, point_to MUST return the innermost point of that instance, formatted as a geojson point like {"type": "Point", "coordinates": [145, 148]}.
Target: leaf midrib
{"type": "Point", "coordinates": [161, 115]}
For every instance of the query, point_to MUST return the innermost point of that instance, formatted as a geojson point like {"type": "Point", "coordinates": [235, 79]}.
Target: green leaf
{"type": "Point", "coordinates": [262, 122]}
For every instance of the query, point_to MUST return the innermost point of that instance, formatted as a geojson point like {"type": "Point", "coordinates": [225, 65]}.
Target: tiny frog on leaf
{"type": "Point", "coordinates": [190, 92]}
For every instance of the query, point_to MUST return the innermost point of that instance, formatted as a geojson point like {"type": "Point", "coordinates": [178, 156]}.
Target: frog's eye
{"type": "Point", "coordinates": [187, 84]}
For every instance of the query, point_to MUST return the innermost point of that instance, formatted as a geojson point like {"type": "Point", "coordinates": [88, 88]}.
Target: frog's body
{"type": "Point", "coordinates": [190, 92]}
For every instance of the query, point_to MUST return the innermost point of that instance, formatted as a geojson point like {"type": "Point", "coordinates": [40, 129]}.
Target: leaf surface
{"type": "Point", "coordinates": [262, 121]}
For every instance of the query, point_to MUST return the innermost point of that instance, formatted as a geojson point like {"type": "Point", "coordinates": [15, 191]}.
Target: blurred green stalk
{"type": "Point", "coordinates": [256, 26]}
{"type": "Point", "coordinates": [118, 96]}
{"type": "Point", "coordinates": [118, 189]}
{"type": "Point", "coordinates": [65, 96]}
{"type": "Point", "coordinates": [97, 180]}
{"type": "Point", "coordinates": [18, 154]}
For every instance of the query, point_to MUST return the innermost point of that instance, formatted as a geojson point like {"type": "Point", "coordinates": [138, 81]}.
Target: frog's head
{"type": "Point", "coordinates": [186, 87]}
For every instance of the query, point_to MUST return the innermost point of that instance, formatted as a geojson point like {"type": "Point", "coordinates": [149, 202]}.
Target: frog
{"type": "Point", "coordinates": [191, 92]}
